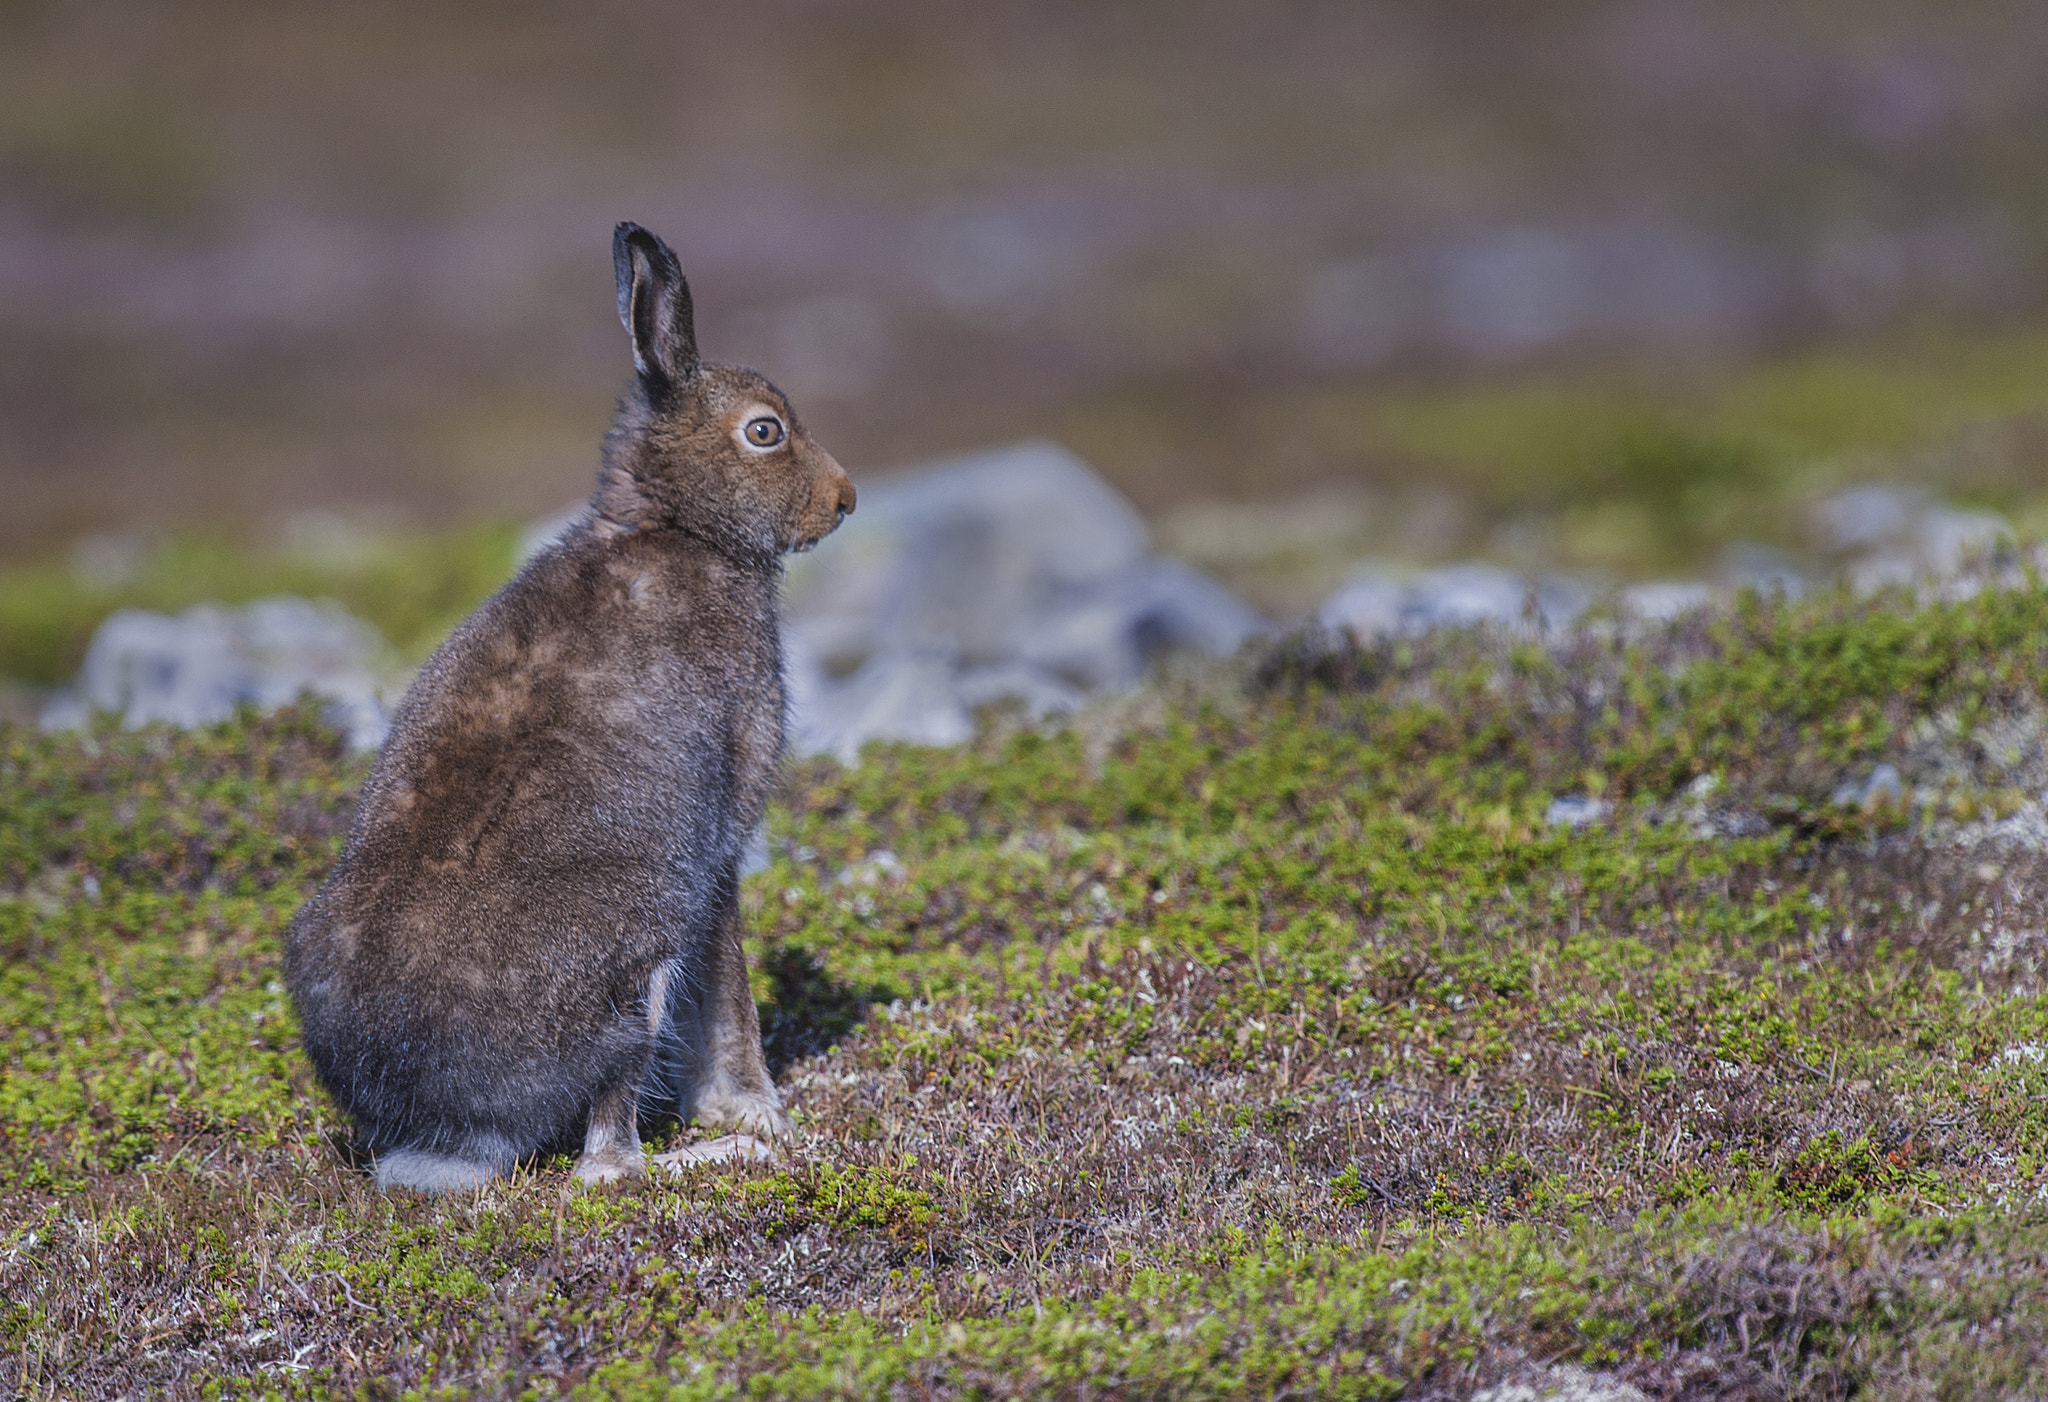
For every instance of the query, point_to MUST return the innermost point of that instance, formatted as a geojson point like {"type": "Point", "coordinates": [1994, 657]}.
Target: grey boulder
{"type": "Point", "coordinates": [1017, 574]}
{"type": "Point", "coordinates": [198, 667]}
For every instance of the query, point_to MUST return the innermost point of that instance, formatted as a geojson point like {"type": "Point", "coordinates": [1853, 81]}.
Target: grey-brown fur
{"type": "Point", "coordinates": [533, 931]}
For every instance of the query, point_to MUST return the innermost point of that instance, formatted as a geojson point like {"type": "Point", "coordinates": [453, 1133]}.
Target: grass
{"type": "Point", "coordinates": [1275, 1045]}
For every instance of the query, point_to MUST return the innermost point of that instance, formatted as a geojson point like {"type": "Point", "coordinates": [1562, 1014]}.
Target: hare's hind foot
{"type": "Point", "coordinates": [432, 1173]}
{"type": "Point", "coordinates": [610, 1166]}
{"type": "Point", "coordinates": [728, 1148]}
{"type": "Point", "coordinates": [611, 1150]}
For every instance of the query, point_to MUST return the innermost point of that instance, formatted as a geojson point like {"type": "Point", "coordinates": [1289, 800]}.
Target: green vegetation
{"type": "Point", "coordinates": [412, 588]}
{"type": "Point", "coordinates": [1279, 1044]}
{"type": "Point", "coordinates": [1635, 474]}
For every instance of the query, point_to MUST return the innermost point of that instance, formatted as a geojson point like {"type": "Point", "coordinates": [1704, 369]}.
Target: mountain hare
{"type": "Point", "coordinates": [535, 926]}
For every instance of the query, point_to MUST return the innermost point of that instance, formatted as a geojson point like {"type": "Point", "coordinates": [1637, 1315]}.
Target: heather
{"type": "Point", "coordinates": [1272, 1030]}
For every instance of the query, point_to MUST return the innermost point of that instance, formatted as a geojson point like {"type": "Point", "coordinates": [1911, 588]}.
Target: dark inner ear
{"type": "Point", "coordinates": [654, 304]}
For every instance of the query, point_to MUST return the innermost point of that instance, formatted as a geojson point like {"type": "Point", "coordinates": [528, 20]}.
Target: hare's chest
{"type": "Point", "coordinates": [692, 688]}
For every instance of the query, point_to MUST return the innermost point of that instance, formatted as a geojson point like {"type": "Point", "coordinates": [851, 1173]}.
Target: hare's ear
{"type": "Point", "coordinates": [654, 303]}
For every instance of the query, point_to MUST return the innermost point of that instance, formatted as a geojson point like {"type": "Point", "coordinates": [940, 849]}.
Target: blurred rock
{"type": "Point", "coordinates": [1866, 516]}
{"type": "Point", "coordinates": [1376, 602]}
{"type": "Point", "coordinates": [1460, 594]}
{"type": "Point", "coordinates": [1748, 565]}
{"type": "Point", "coordinates": [1900, 536]}
{"type": "Point", "coordinates": [1563, 1382]}
{"type": "Point", "coordinates": [1367, 606]}
{"type": "Point", "coordinates": [1879, 535]}
{"type": "Point", "coordinates": [1661, 600]}
{"type": "Point", "coordinates": [1881, 570]}
{"type": "Point", "coordinates": [1000, 555]}
{"type": "Point", "coordinates": [1574, 811]}
{"type": "Point", "coordinates": [872, 870]}
{"type": "Point", "coordinates": [1013, 574]}
{"type": "Point", "coordinates": [911, 696]}
{"type": "Point", "coordinates": [1038, 693]}
{"type": "Point", "coordinates": [198, 667]}
{"type": "Point", "coordinates": [1882, 788]}
{"type": "Point", "coordinates": [1952, 540]}
{"type": "Point", "coordinates": [1014, 577]}
{"type": "Point", "coordinates": [1940, 544]}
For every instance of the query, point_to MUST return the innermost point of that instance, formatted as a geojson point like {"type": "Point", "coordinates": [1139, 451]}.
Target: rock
{"type": "Point", "coordinates": [1563, 1382]}
{"type": "Point", "coordinates": [1177, 606]}
{"type": "Point", "coordinates": [1463, 594]}
{"type": "Point", "coordinates": [1012, 574]}
{"type": "Point", "coordinates": [1882, 787]}
{"type": "Point", "coordinates": [1661, 601]}
{"type": "Point", "coordinates": [1039, 693]}
{"type": "Point", "coordinates": [1698, 810]}
{"type": "Point", "coordinates": [1860, 518]}
{"type": "Point", "coordinates": [1367, 605]}
{"type": "Point", "coordinates": [1942, 545]}
{"type": "Point", "coordinates": [1880, 535]}
{"type": "Point", "coordinates": [911, 696]}
{"type": "Point", "coordinates": [1951, 540]}
{"type": "Point", "coordinates": [1899, 536]}
{"type": "Point", "coordinates": [872, 870]}
{"type": "Point", "coordinates": [1748, 565]}
{"type": "Point", "coordinates": [1882, 570]}
{"type": "Point", "coordinates": [970, 555]}
{"type": "Point", "coordinates": [198, 667]}
{"type": "Point", "coordinates": [1376, 602]}
{"type": "Point", "coordinates": [1574, 811]}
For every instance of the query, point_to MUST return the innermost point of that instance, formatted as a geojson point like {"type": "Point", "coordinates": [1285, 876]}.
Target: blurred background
{"type": "Point", "coordinates": [319, 297]}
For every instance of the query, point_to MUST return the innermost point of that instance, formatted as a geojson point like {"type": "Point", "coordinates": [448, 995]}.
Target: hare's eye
{"type": "Point", "coordinates": [765, 431]}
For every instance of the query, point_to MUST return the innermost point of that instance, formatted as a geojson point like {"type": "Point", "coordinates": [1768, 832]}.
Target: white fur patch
{"type": "Point", "coordinates": [431, 1173]}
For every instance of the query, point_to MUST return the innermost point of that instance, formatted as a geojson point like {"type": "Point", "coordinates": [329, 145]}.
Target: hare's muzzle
{"type": "Point", "coordinates": [832, 498]}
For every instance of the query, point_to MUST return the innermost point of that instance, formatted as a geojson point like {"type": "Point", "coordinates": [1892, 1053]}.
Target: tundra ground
{"type": "Point", "coordinates": [1265, 1034]}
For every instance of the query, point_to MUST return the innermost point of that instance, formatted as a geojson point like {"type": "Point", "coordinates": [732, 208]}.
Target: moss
{"type": "Point", "coordinates": [1829, 1175]}
{"type": "Point", "coordinates": [848, 1197]}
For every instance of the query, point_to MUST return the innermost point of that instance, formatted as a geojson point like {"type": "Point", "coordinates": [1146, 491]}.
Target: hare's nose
{"type": "Point", "coordinates": [846, 497]}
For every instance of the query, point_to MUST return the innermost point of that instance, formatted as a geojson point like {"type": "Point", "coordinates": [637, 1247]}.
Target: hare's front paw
{"type": "Point", "coordinates": [728, 1148]}
{"type": "Point", "coordinates": [760, 1116]}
